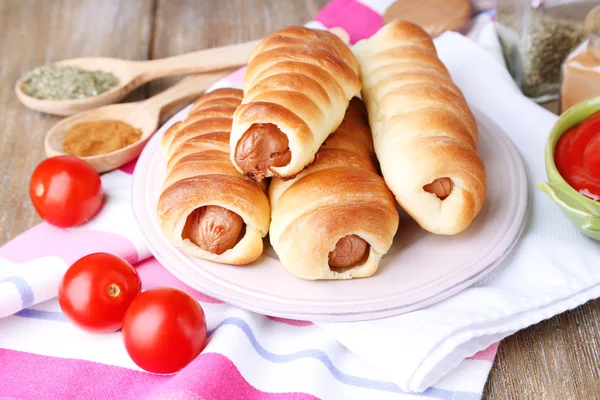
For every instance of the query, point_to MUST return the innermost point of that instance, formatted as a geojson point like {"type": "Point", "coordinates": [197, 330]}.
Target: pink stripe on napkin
{"type": "Point", "coordinates": [46, 240]}
{"type": "Point", "coordinates": [488, 354]}
{"type": "Point", "coordinates": [129, 167]}
{"type": "Point", "coordinates": [293, 322]}
{"type": "Point", "coordinates": [355, 18]}
{"type": "Point", "coordinates": [237, 77]}
{"type": "Point", "coordinates": [210, 376]}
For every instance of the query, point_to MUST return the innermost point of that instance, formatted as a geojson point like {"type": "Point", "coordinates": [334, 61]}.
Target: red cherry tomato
{"type": "Point", "coordinates": [65, 191]}
{"type": "Point", "coordinates": [96, 291]}
{"type": "Point", "coordinates": [164, 329]}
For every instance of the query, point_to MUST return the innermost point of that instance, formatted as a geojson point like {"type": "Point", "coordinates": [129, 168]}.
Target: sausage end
{"type": "Point", "coordinates": [213, 228]}
{"type": "Point", "coordinates": [441, 187]}
{"type": "Point", "coordinates": [349, 251]}
{"type": "Point", "coordinates": [262, 146]}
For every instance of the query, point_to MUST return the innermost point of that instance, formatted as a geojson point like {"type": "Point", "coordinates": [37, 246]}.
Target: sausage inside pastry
{"type": "Point", "coordinates": [296, 89]}
{"type": "Point", "coordinates": [337, 218]}
{"type": "Point", "coordinates": [207, 208]}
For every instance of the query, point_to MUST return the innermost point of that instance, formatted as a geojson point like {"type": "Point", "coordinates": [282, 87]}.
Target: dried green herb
{"type": "Point", "coordinates": [536, 51]}
{"type": "Point", "coordinates": [551, 42]}
{"type": "Point", "coordinates": [55, 82]}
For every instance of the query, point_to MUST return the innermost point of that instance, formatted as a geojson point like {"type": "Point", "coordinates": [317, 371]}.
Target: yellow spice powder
{"type": "Point", "coordinates": [99, 137]}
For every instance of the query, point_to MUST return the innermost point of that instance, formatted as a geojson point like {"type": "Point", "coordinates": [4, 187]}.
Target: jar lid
{"type": "Point", "coordinates": [592, 21]}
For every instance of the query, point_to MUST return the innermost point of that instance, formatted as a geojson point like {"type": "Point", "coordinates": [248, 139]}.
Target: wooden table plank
{"type": "Point", "coordinates": [33, 33]}
{"type": "Point", "coordinates": [190, 25]}
{"type": "Point", "coordinates": [556, 359]}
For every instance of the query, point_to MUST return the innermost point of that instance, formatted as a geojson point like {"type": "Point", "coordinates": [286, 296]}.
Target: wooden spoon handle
{"type": "Point", "coordinates": [208, 60]}
{"type": "Point", "coordinates": [186, 90]}
{"type": "Point", "coordinates": [219, 58]}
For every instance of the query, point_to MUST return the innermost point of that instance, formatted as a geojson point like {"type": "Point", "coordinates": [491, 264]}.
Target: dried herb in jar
{"type": "Point", "coordinates": [536, 41]}
{"type": "Point", "coordinates": [551, 42]}
{"type": "Point", "coordinates": [56, 82]}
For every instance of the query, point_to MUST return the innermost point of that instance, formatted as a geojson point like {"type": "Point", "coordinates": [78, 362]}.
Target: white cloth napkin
{"type": "Point", "coordinates": [553, 268]}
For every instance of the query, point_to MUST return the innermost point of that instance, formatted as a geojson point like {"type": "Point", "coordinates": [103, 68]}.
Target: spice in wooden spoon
{"type": "Point", "coordinates": [99, 137]}
{"type": "Point", "coordinates": [144, 115]}
{"type": "Point", "coordinates": [132, 74]}
{"type": "Point", "coordinates": [60, 82]}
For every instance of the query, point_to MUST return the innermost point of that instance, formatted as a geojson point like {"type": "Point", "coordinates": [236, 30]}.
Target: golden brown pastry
{"type": "Point", "coordinates": [337, 218]}
{"type": "Point", "coordinates": [424, 132]}
{"type": "Point", "coordinates": [296, 89]}
{"type": "Point", "coordinates": [207, 208]}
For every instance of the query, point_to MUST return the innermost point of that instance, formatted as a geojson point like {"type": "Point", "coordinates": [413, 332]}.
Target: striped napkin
{"type": "Point", "coordinates": [252, 356]}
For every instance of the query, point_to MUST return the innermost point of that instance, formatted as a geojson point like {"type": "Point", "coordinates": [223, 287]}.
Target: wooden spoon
{"type": "Point", "coordinates": [144, 115]}
{"type": "Point", "coordinates": [133, 74]}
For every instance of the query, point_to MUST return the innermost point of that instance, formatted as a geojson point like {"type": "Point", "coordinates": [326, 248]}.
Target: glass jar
{"type": "Point", "coordinates": [581, 70]}
{"type": "Point", "coordinates": [536, 37]}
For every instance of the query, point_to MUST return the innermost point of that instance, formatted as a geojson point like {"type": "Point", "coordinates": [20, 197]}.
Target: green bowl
{"type": "Point", "coordinates": [582, 211]}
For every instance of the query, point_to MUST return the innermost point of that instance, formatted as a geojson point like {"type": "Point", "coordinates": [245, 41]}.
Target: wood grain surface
{"type": "Point", "coordinates": [556, 359]}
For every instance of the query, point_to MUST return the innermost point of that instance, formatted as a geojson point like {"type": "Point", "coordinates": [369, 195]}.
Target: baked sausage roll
{"type": "Point", "coordinates": [207, 208]}
{"type": "Point", "coordinates": [337, 218]}
{"type": "Point", "coordinates": [296, 89]}
{"type": "Point", "coordinates": [424, 133]}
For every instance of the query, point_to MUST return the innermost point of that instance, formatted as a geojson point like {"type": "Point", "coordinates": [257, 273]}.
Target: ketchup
{"type": "Point", "coordinates": [577, 157]}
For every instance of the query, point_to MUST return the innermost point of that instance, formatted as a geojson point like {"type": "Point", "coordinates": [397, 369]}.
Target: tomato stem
{"type": "Point", "coordinates": [113, 290]}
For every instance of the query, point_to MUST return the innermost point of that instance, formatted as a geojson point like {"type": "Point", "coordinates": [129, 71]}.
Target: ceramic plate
{"type": "Point", "coordinates": [420, 268]}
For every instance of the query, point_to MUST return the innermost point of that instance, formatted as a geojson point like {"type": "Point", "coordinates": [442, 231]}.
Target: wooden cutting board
{"type": "Point", "coordinates": [435, 16]}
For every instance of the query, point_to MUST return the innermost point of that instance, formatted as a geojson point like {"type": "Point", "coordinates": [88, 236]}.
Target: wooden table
{"type": "Point", "coordinates": [556, 359]}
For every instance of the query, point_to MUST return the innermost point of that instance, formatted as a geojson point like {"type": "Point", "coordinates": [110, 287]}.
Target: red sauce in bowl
{"type": "Point", "coordinates": [577, 157]}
